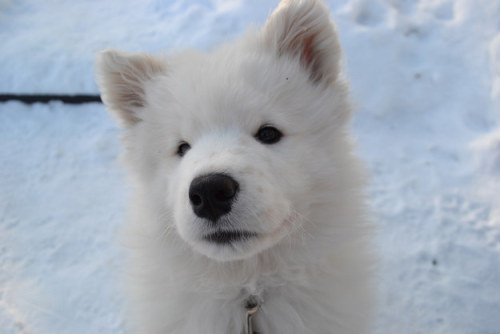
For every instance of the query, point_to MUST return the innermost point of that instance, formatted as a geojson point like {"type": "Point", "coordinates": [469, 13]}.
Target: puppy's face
{"type": "Point", "coordinates": [236, 173]}
{"type": "Point", "coordinates": [236, 146]}
{"type": "Point", "coordinates": [234, 179]}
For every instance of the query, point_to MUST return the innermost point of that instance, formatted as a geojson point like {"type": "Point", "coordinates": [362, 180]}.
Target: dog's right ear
{"type": "Point", "coordinates": [121, 79]}
{"type": "Point", "coordinates": [302, 29]}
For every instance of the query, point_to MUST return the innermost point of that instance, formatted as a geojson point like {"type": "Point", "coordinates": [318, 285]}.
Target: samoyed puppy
{"type": "Point", "coordinates": [248, 213]}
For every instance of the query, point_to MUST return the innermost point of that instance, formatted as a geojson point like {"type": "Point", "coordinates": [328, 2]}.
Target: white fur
{"type": "Point", "coordinates": [303, 195]}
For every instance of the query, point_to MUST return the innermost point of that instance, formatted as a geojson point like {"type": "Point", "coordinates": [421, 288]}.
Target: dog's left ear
{"type": "Point", "coordinates": [302, 29]}
{"type": "Point", "coordinates": [122, 77]}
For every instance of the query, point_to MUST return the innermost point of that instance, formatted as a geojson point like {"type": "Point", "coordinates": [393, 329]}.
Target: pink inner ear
{"type": "Point", "coordinates": [307, 55]}
{"type": "Point", "coordinates": [302, 29]}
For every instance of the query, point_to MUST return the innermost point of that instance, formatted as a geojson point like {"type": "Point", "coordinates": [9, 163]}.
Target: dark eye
{"type": "Point", "coordinates": [268, 135]}
{"type": "Point", "coordinates": [183, 148]}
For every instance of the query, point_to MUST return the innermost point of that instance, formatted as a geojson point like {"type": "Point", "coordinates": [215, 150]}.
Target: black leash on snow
{"type": "Point", "coordinates": [46, 98]}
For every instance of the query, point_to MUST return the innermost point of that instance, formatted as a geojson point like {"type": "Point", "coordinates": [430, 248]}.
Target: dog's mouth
{"type": "Point", "coordinates": [229, 237]}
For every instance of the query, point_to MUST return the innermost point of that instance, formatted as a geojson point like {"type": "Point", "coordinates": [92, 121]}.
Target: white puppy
{"type": "Point", "coordinates": [248, 195]}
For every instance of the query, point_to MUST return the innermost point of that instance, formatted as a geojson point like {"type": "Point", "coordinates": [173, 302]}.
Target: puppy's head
{"type": "Point", "coordinates": [237, 148]}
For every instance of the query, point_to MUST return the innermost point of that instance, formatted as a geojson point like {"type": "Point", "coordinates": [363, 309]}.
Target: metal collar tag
{"type": "Point", "coordinates": [252, 305]}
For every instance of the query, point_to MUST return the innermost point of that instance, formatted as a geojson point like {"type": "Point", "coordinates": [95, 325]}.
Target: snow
{"type": "Point", "coordinates": [59, 214]}
{"type": "Point", "coordinates": [425, 76]}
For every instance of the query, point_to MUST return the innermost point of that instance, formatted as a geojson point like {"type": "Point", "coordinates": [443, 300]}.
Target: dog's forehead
{"type": "Point", "coordinates": [234, 88]}
{"type": "Point", "coordinates": [214, 91]}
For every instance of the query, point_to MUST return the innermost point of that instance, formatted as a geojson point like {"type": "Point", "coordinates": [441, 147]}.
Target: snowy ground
{"type": "Point", "coordinates": [426, 78]}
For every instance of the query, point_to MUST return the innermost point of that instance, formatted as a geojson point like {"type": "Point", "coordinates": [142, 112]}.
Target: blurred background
{"type": "Point", "coordinates": [425, 76]}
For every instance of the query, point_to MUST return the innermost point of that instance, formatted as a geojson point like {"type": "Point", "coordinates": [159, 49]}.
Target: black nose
{"type": "Point", "coordinates": [212, 195]}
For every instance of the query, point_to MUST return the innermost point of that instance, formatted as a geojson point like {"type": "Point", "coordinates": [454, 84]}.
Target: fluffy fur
{"type": "Point", "coordinates": [303, 196]}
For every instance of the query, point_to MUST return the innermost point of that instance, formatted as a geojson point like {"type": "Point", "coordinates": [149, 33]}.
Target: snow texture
{"type": "Point", "coordinates": [425, 76]}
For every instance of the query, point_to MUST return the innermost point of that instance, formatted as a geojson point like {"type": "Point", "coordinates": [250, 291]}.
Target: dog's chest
{"type": "Point", "coordinates": [275, 311]}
